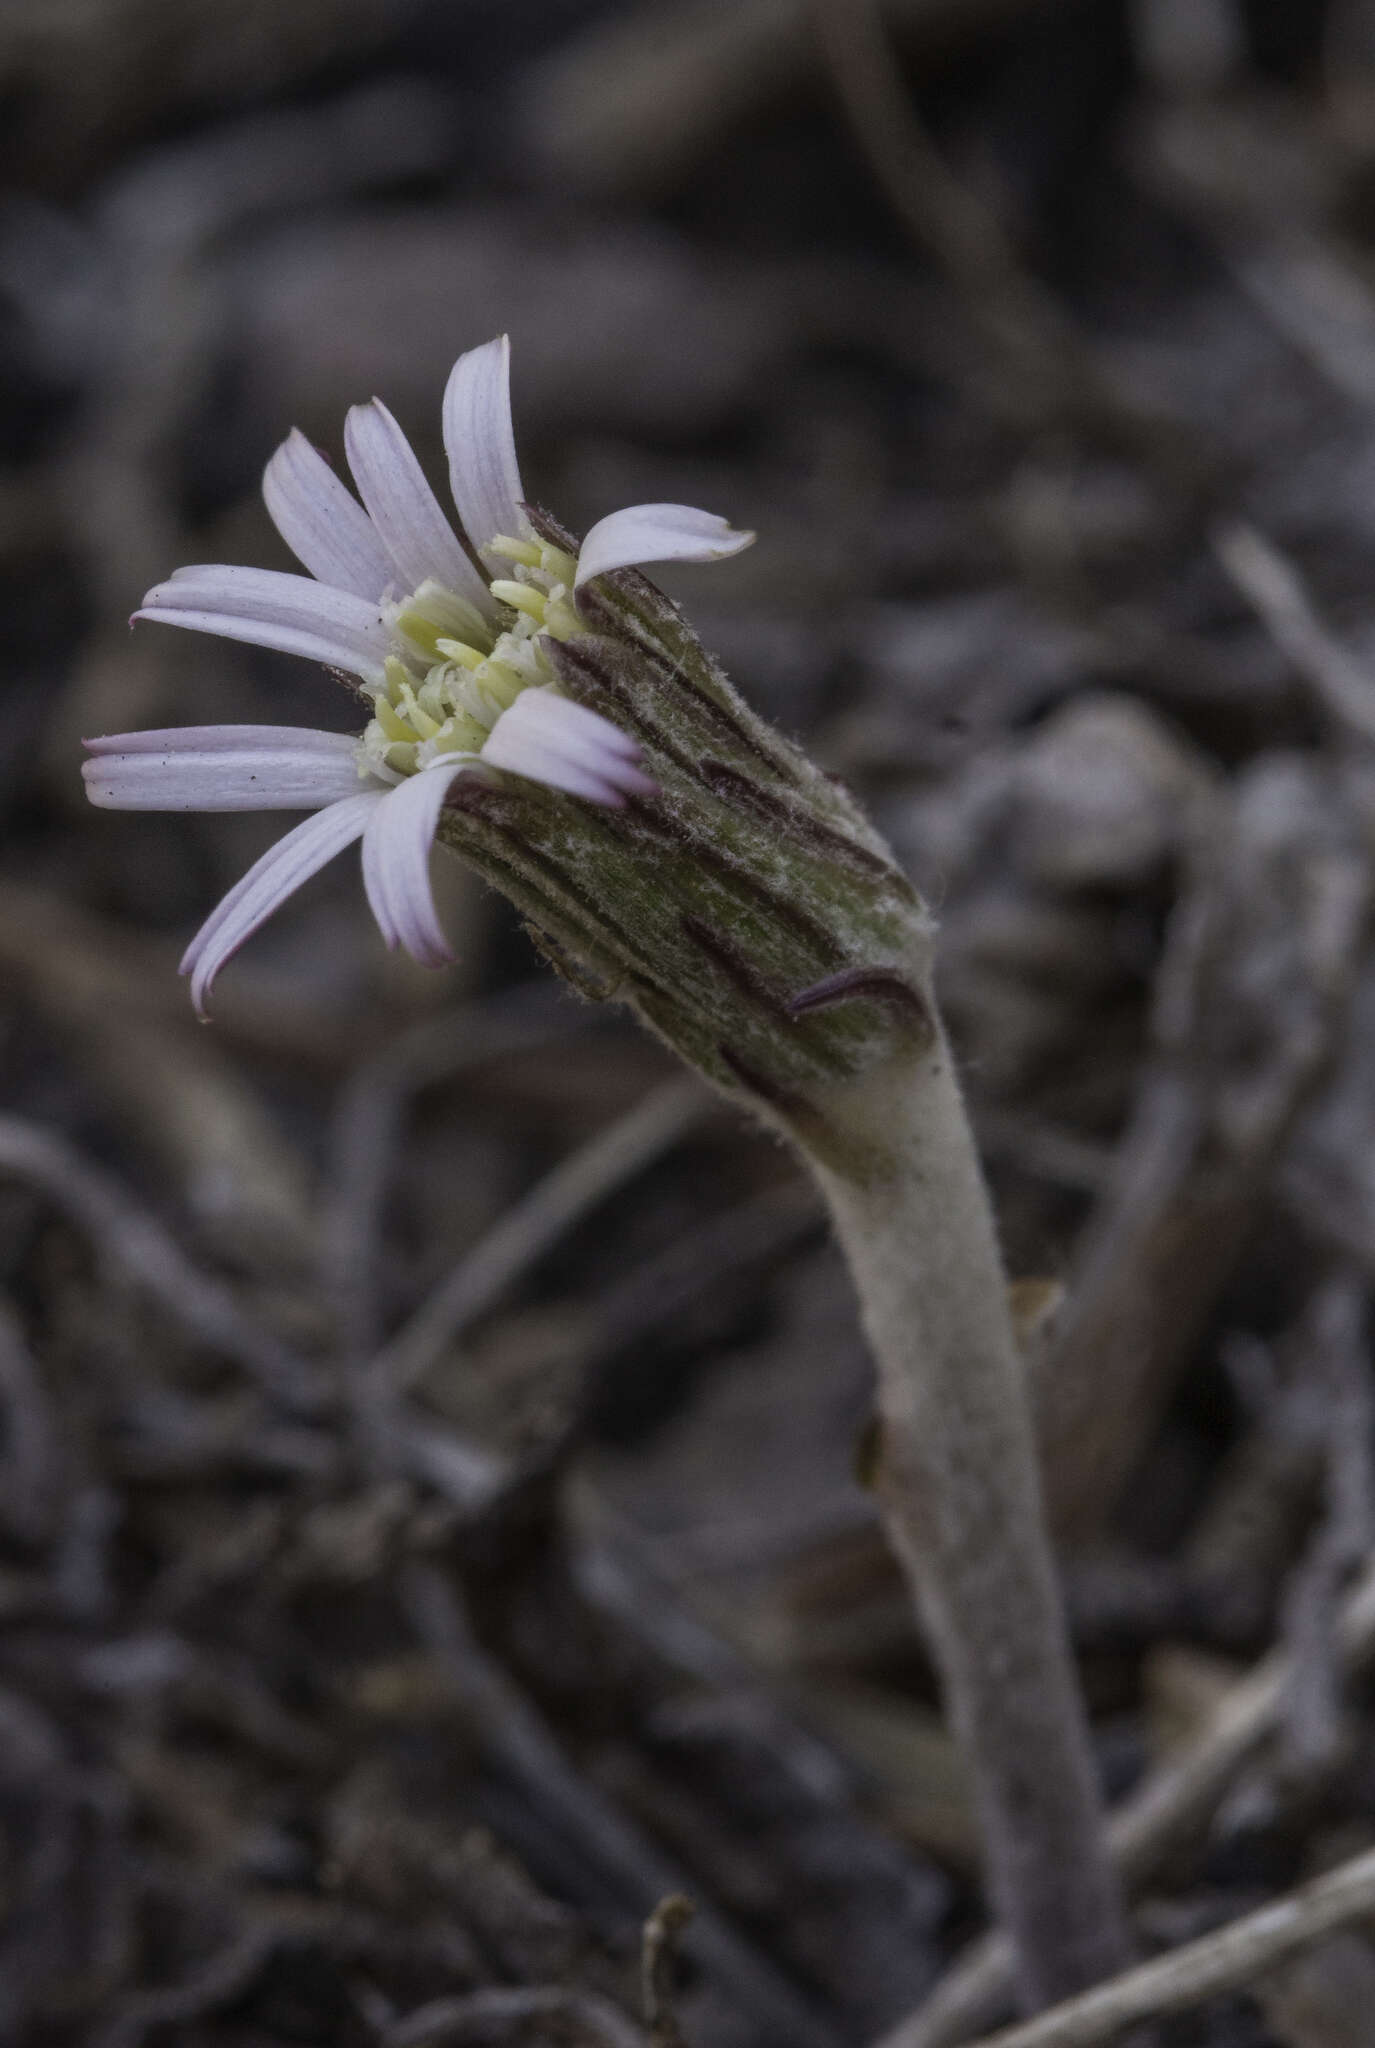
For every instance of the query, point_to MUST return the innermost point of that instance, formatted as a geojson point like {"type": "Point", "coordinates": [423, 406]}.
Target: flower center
{"type": "Point", "coordinates": [453, 672]}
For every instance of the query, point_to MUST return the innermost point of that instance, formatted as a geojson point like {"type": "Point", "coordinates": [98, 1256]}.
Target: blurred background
{"type": "Point", "coordinates": [432, 1512]}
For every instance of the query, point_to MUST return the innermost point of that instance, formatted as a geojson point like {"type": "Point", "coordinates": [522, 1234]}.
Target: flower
{"type": "Point", "coordinates": [453, 657]}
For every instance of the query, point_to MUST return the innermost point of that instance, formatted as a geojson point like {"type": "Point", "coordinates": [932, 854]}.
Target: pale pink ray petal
{"type": "Point", "coordinates": [541, 763]}
{"type": "Point", "coordinates": [551, 739]}
{"type": "Point", "coordinates": [281, 871]}
{"type": "Point", "coordinates": [221, 768]}
{"type": "Point", "coordinates": [396, 861]}
{"type": "Point", "coordinates": [480, 441]}
{"type": "Point", "coordinates": [548, 711]}
{"type": "Point", "coordinates": [404, 509]}
{"type": "Point", "coordinates": [322, 522]}
{"type": "Point", "coordinates": [657, 533]}
{"type": "Point", "coordinates": [273, 609]}
{"type": "Point", "coordinates": [228, 738]}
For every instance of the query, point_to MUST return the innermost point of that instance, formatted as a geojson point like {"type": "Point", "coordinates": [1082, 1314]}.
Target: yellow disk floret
{"type": "Point", "coordinates": [453, 674]}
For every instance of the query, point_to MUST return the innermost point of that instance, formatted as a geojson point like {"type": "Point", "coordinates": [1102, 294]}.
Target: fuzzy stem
{"type": "Point", "coordinates": [960, 1487]}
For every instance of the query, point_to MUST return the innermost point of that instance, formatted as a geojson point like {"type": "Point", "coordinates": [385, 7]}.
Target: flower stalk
{"type": "Point", "coordinates": [959, 1484]}
{"type": "Point", "coordinates": [542, 710]}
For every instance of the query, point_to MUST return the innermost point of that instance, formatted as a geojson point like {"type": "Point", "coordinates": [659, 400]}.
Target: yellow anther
{"type": "Point", "coordinates": [561, 620]}
{"type": "Point", "coordinates": [558, 563]}
{"type": "Point", "coordinates": [446, 612]}
{"type": "Point", "coordinates": [419, 718]}
{"type": "Point", "coordinates": [398, 676]}
{"type": "Point", "coordinates": [503, 681]}
{"type": "Point", "coordinates": [394, 727]}
{"type": "Point", "coordinates": [421, 630]}
{"type": "Point", "coordinates": [522, 597]}
{"type": "Point", "coordinates": [526, 551]}
{"type": "Point", "coordinates": [460, 651]}
{"type": "Point", "coordinates": [433, 694]}
{"type": "Point", "coordinates": [461, 734]}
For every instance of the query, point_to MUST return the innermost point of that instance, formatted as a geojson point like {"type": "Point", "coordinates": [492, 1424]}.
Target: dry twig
{"type": "Point", "coordinates": [130, 1238]}
{"type": "Point", "coordinates": [514, 1731]}
{"type": "Point", "coordinates": [1250, 997]}
{"type": "Point", "coordinates": [370, 1117]}
{"type": "Point", "coordinates": [533, 1226]}
{"type": "Point", "coordinates": [1343, 686]}
{"type": "Point", "coordinates": [684, 79]}
{"type": "Point", "coordinates": [1229, 1960]}
{"type": "Point", "coordinates": [663, 1930]}
{"type": "Point", "coordinates": [1336, 1345]}
{"type": "Point", "coordinates": [504, 2013]}
{"type": "Point", "coordinates": [1024, 325]}
{"type": "Point", "coordinates": [31, 1460]}
{"type": "Point", "coordinates": [1173, 1803]}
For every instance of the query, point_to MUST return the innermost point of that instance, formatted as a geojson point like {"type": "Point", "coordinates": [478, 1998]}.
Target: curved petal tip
{"type": "Point", "coordinates": [657, 533]}
{"type": "Point", "coordinates": [548, 738]}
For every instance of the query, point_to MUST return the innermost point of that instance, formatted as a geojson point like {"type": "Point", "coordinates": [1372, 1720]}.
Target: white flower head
{"type": "Point", "coordinates": [447, 635]}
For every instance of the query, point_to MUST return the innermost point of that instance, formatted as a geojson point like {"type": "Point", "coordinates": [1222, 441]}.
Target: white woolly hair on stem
{"type": "Point", "coordinates": [960, 1488]}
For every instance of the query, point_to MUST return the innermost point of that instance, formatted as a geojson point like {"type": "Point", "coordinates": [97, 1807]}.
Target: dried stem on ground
{"type": "Point", "coordinates": [515, 1731]}
{"type": "Point", "coordinates": [1174, 1803]}
{"type": "Point", "coordinates": [1251, 996]}
{"type": "Point", "coordinates": [528, 1229]}
{"type": "Point", "coordinates": [128, 1235]}
{"type": "Point", "coordinates": [1229, 1960]}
